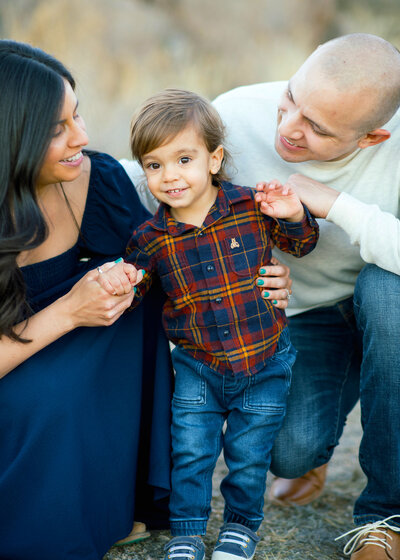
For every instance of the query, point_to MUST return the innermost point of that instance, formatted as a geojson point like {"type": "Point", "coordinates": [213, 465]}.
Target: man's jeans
{"type": "Point", "coordinates": [346, 352]}
{"type": "Point", "coordinates": [254, 408]}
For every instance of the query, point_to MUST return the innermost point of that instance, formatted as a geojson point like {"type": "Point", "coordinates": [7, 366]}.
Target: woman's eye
{"type": "Point", "coordinates": [57, 131]}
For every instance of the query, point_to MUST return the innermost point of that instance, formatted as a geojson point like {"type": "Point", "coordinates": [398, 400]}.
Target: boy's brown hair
{"type": "Point", "coordinates": [165, 114]}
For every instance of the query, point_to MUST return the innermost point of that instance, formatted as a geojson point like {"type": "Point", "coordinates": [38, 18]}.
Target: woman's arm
{"type": "Point", "coordinates": [85, 305]}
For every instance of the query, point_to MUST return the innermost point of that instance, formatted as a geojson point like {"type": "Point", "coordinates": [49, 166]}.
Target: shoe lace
{"type": "Point", "coordinates": [233, 537]}
{"type": "Point", "coordinates": [362, 535]}
{"type": "Point", "coordinates": [182, 551]}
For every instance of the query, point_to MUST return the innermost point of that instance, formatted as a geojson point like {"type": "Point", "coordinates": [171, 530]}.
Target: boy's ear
{"type": "Point", "coordinates": [374, 137]}
{"type": "Point", "coordinates": [216, 158]}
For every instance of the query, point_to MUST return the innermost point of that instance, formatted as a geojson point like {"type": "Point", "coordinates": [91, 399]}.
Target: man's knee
{"type": "Point", "coordinates": [377, 299]}
{"type": "Point", "coordinates": [300, 456]}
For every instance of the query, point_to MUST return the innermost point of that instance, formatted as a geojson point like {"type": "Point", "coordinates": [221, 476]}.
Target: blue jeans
{"type": "Point", "coordinates": [254, 408]}
{"type": "Point", "coordinates": [345, 352]}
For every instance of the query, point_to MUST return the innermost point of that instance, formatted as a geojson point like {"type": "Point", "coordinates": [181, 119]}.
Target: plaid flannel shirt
{"type": "Point", "coordinates": [214, 310]}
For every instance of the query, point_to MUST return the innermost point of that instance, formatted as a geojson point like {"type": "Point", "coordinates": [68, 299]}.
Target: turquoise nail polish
{"type": "Point", "coordinates": [118, 260]}
{"type": "Point", "coordinates": [260, 282]}
{"type": "Point", "coordinates": [266, 294]}
{"type": "Point", "coordinates": [262, 270]}
{"type": "Point", "coordinates": [142, 271]}
{"type": "Point", "coordinates": [274, 302]}
{"type": "Point", "coordinates": [134, 289]}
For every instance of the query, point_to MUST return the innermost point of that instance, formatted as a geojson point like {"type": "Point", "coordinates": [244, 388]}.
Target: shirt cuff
{"type": "Point", "coordinates": [299, 229]}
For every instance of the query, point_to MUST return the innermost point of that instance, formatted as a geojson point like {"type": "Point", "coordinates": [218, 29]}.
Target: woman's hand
{"type": "Point", "coordinates": [87, 304]}
{"type": "Point", "coordinates": [275, 283]}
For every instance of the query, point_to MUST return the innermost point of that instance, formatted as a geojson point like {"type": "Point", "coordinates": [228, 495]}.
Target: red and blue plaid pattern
{"type": "Point", "coordinates": [214, 309]}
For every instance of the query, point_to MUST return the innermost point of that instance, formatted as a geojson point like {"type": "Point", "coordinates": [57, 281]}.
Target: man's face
{"type": "Point", "coordinates": [316, 121]}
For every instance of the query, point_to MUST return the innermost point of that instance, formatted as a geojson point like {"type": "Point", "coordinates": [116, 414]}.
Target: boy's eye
{"type": "Point", "coordinates": [153, 165]}
{"type": "Point", "coordinates": [184, 159]}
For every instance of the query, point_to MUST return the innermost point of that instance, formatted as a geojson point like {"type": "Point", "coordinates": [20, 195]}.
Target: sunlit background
{"type": "Point", "coordinates": [121, 51]}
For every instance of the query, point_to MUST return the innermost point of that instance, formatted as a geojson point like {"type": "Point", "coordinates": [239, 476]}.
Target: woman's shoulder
{"type": "Point", "coordinates": [106, 169]}
{"type": "Point", "coordinates": [112, 204]}
{"type": "Point", "coordinates": [109, 182]}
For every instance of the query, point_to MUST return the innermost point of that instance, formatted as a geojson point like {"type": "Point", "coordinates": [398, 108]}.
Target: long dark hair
{"type": "Point", "coordinates": [31, 98]}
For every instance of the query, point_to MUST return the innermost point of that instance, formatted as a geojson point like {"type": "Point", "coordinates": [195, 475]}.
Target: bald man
{"type": "Point", "coordinates": [333, 133]}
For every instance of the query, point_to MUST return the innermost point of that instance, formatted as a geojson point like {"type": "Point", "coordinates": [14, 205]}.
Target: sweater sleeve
{"type": "Point", "coordinates": [376, 232]}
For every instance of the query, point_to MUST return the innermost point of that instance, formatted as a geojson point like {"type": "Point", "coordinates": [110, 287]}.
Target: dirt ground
{"type": "Point", "coordinates": [289, 533]}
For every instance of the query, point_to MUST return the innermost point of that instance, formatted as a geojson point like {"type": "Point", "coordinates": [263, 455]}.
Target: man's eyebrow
{"type": "Point", "coordinates": [313, 123]}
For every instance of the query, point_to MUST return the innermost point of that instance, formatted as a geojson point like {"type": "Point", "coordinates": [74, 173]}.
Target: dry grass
{"type": "Point", "coordinates": [293, 533]}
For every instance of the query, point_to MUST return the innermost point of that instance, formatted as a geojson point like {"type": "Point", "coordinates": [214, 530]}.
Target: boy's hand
{"type": "Point", "coordinates": [118, 277]}
{"type": "Point", "coordinates": [279, 201]}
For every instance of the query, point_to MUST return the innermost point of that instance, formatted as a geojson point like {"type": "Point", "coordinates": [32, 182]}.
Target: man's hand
{"type": "Point", "coordinates": [318, 198]}
{"type": "Point", "coordinates": [275, 283]}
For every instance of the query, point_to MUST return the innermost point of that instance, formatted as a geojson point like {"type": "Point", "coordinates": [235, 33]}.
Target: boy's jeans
{"type": "Point", "coordinates": [254, 408]}
{"type": "Point", "coordinates": [345, 352]}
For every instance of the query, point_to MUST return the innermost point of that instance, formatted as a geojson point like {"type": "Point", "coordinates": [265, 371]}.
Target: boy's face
{"type": "Point", "coordinates": [179, 173]}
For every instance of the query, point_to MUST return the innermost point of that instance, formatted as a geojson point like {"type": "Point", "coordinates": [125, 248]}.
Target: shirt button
{"type": "Point", "coordinates": [218, 300]}
{"type": "Point", "coordinates": [210, 267]}
{"type": "Point", "coordinates": [226, 333]}
{"type": "Point", "coordinates": [200, 234]}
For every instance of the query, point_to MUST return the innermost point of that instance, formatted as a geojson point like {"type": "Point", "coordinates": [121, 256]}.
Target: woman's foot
{"type": "Point", "coordinates": [138, 533]}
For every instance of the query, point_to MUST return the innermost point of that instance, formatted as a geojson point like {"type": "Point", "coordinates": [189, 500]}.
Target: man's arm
{"type": "Point", "coordinates": [376, 232]}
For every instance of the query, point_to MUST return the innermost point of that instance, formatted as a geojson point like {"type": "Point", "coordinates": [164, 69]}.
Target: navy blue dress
{"type": "Point", "coordinates": [85, 421]}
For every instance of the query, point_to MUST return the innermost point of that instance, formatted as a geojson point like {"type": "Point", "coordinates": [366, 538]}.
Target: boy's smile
{"type": "Point", "coordinates": [179, 173]}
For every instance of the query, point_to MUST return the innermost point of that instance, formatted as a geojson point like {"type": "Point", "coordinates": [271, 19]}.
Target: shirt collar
{"type": "Point", "coordinates": [227, 195]}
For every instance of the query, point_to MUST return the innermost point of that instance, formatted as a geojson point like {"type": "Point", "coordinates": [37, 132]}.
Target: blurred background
{"type": "Point", "coordinates": [122, 51]}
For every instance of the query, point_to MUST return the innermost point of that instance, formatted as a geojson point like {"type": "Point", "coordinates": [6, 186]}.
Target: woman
{"type": "Point", "coordinates": [80, 407]}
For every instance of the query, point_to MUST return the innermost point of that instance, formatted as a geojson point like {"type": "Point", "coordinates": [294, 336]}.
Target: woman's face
{"type": "Point", "coordinates": [63, 161]}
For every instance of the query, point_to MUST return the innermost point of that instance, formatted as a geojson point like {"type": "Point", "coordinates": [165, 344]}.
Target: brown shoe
{"type": "Point", "coordinates": [374, 541]}
{"type": "Point", "coordinates": [298, 491]}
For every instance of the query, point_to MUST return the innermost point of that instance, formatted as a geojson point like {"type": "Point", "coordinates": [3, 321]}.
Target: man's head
{"type": "Point", "coordinates": [339, 99]}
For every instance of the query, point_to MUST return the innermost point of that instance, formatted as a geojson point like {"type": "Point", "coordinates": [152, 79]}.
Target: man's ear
{"type": "Point", "coordinates": [374, 137]}
{"type": "Point", "coordinates": [216, 160]}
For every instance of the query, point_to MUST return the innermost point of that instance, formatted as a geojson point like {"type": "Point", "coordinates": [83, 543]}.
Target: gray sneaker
{"type": "Point", "coordinates": [185, 548]}
{"type": "Point", "coordinates": [235, 542]}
